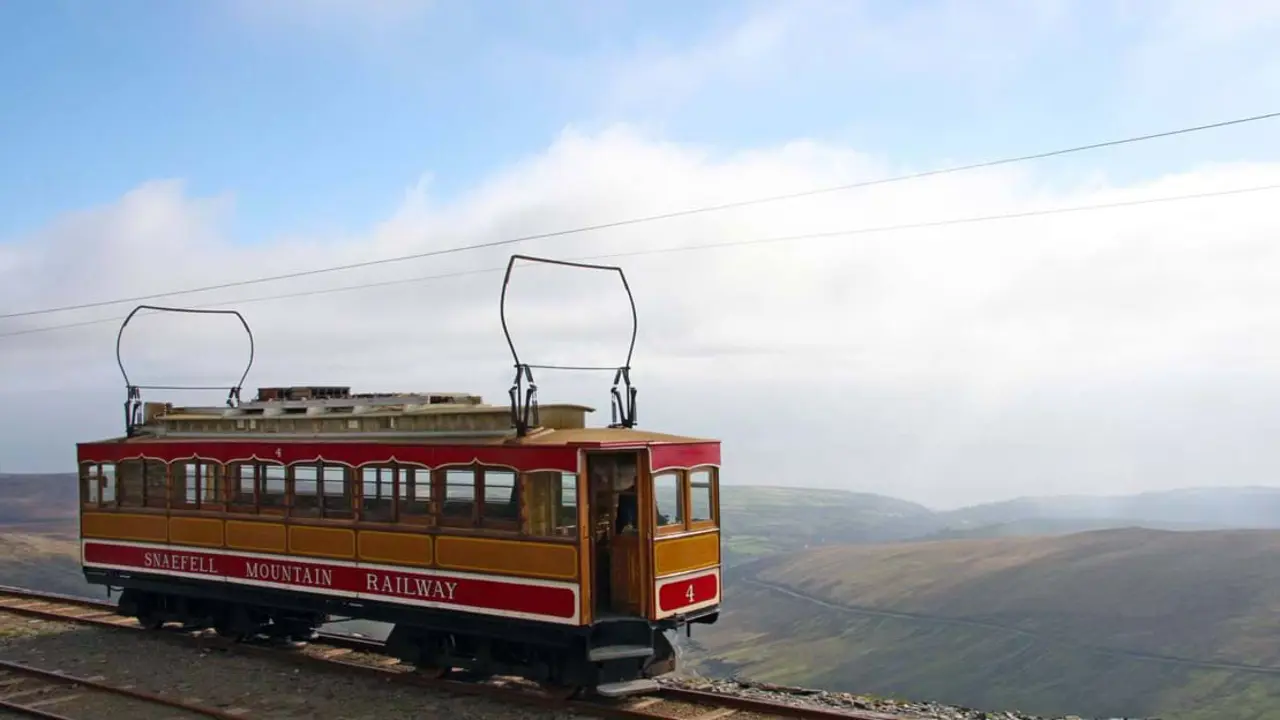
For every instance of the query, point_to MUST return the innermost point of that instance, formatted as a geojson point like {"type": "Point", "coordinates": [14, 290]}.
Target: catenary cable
{"type": "Point", "coordinates": [705, 246]}
{"type": "Point", "coordinates": [652, 218]}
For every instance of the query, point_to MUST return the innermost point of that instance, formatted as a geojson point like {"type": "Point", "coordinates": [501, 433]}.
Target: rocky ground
{"type": "Point", "coordinates": [261, 688]}
{"type": "Point", "coordinates": [850, 701]}
{"type": "Point", "coordinates": [257, 687]}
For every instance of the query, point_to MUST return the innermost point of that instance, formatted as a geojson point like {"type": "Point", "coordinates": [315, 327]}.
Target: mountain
{"type": "Point", "coordinates": [1113, 623]}
{"type": "Point", "coordinates": [1221, 508]}
{"type": "Point", "coordinates": [759, 520]}
{"type": "Point", "coordinates": [1035, 526]}
{"type": "Point", "coordinates": [39, 502]}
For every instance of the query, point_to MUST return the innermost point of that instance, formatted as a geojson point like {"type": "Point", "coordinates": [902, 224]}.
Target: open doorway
{"type": "Point", "coordinates": [616, 542]}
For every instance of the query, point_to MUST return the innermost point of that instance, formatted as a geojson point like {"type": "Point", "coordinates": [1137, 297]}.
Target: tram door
{"type": "Point", "coordinates": [616, 533]}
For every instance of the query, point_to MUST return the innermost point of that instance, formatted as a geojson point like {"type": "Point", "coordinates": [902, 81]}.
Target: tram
{"type": "Point", "coordinates": [498, 539]}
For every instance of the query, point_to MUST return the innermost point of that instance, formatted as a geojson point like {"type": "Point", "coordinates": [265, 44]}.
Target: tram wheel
{"type": "Point", "coordinates": [567, 692]}
{"type": "Point", "coordinates": [433, 672]}
{"type": "Point", "coordinates": [150, 619]}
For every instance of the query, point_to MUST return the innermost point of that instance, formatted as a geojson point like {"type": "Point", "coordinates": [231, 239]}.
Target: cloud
{"type": "Point", "coordinates": [1074, 352]}
{"type": "Point", "coordinates": [843, 47]}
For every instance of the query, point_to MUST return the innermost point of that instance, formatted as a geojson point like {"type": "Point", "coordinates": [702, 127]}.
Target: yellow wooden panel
{"type": "Point", "coordinates": [322, 541]}
{"type": "Point", "coordinates": [511, 557]}
{"type": "Point", "coordinates": [626, 578]}
{"type": "Point", "coordinates": [195, 531]}
{"type": "Point", "coordinates": [260, 536]}
{"type": "Point", "coordinates": [124, 526]}
{"type": "Point", "coordinates": [395, 548]}
{"type": "Point", "coordinates": [682, 554]}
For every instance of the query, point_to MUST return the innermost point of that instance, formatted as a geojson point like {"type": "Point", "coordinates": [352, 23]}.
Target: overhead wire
{"type": "Point", "coordinates": [651, 218]}
{"type": "Point", "coordinates": [706, 246]}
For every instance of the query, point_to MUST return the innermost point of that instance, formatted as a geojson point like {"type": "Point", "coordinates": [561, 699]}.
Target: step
{"type": "Point", "coordinates": [619, 652]}
{"type": "Point", "coordinates": [628, 687]}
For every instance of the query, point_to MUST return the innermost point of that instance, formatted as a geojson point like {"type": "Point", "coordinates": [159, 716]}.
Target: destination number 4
{"type": "Point", "coordinates": [688, 594]}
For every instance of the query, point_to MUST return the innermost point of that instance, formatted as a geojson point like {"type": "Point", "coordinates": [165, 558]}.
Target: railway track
{"type": "Point", "coordinates": [35, 692]}
{"type": "Point", "coordinates": [344, 653]}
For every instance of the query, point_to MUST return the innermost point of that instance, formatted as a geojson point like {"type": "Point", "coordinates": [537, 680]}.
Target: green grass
{"type": "Point", "coordinates": [1108, 623]}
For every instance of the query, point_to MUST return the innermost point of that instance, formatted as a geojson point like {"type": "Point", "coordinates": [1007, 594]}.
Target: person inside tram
{"type": "Point", "coordinates": [628, 519]}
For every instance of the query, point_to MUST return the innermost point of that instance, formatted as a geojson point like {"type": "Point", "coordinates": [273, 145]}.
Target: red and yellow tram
{"type": "Point", "coordinates": [497, 539]}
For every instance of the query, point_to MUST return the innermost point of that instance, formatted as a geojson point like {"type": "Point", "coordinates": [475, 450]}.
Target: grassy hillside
{"type": "Point", "coordinates": [39, 533]}
{"type": "Point", "coordinates": [1111, 623]}
{"type": "Point", "coordinates": [43, 562]}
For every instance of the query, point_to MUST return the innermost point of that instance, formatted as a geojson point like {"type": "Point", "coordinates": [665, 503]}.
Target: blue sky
{"type": "Point", "coordinates": [294, 130]}
{"type": "Point", "coordinates": [316, 119]}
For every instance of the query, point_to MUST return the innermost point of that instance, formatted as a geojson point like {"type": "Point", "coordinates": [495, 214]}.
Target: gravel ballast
{"type": "Point", "coordinates": [259, 687]}
{"type": "Point", "coordinates": [850, 701]}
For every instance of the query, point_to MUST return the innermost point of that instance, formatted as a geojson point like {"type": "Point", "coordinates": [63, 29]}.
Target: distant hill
{"type": "Point", "coordinates": [759, 521]}
{"type": "Point", "coordinates": [1221, 508]}
{"type": "Point", "coordinates": [39, 502]}
{"type": "Point", "coordinates": [1035, 526]}
{"type": "Point", "coordinates": [1111, 623]}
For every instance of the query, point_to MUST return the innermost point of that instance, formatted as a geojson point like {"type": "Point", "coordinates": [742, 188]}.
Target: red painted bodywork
{"type": "Point", "coordinates": [375, 582]}
{"type": "Point", "coordinates": [676, 595]}
{"type": "Point", "coordinates": [355, 454]}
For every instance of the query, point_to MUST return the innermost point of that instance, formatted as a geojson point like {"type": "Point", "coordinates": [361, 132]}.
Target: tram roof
{"type": "Point", "coordinates": [539, 437]}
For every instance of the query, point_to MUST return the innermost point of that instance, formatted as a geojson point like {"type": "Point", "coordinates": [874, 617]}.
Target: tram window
{"type": "Point", "coordinates": [501, 496]}
{"type": "Point", "coordinates": [271, 488]}
{"type": "Point", "coordinates": [337, 491]}
{"type": "Point", "coordinates": [306, 495]}
{"type": "Point", "coordinates": [459, 493]}
{"type": "Point", "coordinates": [668, 499]}
{"type": "Point", "coordinates": [186, 484]}
{"type": "Point", "coordinates": [90, 484]}
{"type": "Point", "coordinates": [378, 494]}
{"type": "Point", "coordinates": [415, 493]}
{"type": "Point", "coordinates": [211, 484]}
{"type": "Point", "coordinates": [567, 501]}
{"type": "Point", "coordinates": [700, 496]}
{"type": "Point", "coordinates": [155, 483]}
{"type": "Point", "coordinates": [244, 483]}
{"type": "Point", "coordinates": [196, 484]}
{"type": "Point", "coordinates": [258, 485]}
{"type": "Point", "coordinates": [132, 492]}
{"type": "Point", "coordinates": [552, 502]}
{"type": "Point", "coordinates": [109, 493]}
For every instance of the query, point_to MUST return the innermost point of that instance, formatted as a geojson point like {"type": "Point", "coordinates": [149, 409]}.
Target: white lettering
{"type": "Point", "coordinates": [419, 587]}
{"type": "Point", "coordinates": [180, 562]}
{"type": "Point", "coordinates": [288, 574]}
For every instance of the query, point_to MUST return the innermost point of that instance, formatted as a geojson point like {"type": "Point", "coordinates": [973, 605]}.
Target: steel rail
{"type": "Point", "coordinates": [332, 653]}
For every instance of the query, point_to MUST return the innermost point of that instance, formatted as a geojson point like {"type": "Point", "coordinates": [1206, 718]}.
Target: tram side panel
{"type": "Point", "coordinates": [686, 540]}
{"type": "Point", "coordinates": [478, 575]}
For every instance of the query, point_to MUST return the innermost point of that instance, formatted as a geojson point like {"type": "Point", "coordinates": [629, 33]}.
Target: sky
{"type": "Point", "coordinates": [154, 146]}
